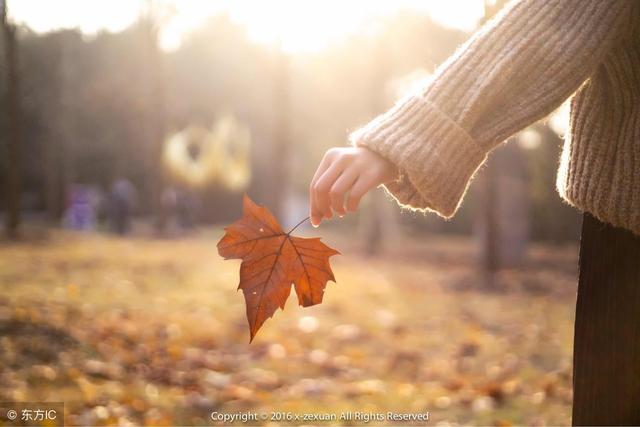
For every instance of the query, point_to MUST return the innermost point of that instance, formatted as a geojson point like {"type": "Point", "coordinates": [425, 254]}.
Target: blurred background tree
{"type": "Point", "coordinates": [13, 122]}
{"type": "Point", "coordinates": [101, 108]}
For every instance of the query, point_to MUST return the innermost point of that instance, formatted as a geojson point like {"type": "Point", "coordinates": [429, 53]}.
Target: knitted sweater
{"type": "Point", "coordinates": [514, 71]}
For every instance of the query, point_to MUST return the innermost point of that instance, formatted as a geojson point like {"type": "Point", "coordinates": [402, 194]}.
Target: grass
{"type": "Point", "coordinates": [149, 331]}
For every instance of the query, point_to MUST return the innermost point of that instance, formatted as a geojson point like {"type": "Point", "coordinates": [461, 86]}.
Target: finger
{"type": "Point", "coordinates": [342, 185]}
{"type": "Point", "coordinates": [323, 186]}
{"type": "Point", "coordinates": [314, 213]}
{"type": "Point", "coordinates": [359, 189]}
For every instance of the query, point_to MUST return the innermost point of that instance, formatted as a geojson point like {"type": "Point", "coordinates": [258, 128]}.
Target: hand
{"type": "Point", "coordinates": [353, 170]}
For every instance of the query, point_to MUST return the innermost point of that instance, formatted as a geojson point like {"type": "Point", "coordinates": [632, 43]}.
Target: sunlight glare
{"type": "Point", "coordinates": [300, 26]}
{"type": "Point", "coordinates": [294, 25]}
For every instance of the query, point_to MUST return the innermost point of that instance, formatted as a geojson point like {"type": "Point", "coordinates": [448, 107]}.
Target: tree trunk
{"type": "Point", "coordinates": [158, 134]}
{"type": "Point", "coordinates": [489, 262]}
{"type": "Point", "coordinates": [375, 220]}
{"type": "Point", "coordinates": [281, 134]}
{"type": "Point", "coordinates": [59, 165]}
{"type": "Point", "coordinates": [155, 118]}
{"type": "Point", "coordinates": [13, 184]}
{"type": "Point", "coordinates": [489, 251]}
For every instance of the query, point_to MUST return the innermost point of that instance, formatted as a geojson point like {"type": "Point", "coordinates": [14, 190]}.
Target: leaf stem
{"type": "Point", "coordinates": [298, 225]}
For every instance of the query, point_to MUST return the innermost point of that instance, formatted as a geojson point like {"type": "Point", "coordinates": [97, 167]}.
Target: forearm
{"type": "Point", "coordinates": [514, 71]}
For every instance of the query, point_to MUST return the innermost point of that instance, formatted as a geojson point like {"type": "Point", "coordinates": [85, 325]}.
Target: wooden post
{"type": "Point", "coordinates": [13, 181]}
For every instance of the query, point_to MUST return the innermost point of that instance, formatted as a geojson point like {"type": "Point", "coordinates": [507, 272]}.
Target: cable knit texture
{"type": "Point", "coordinates": [515, 70]}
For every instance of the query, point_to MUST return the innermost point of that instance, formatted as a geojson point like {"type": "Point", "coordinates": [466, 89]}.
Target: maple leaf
{"type": "Point", "coordinates": [271, 261]}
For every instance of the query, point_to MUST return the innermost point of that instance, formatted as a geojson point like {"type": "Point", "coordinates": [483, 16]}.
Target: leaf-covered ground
{"type": "Point", "coordinates": [153, 332]}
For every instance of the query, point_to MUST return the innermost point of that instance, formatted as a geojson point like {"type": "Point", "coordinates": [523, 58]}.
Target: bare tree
{"type": "Point", "coordinates": [13, 184]}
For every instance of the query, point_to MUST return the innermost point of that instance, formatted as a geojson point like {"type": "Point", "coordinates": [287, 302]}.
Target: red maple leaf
{"type": "Point", "coordinates": [271, 261]}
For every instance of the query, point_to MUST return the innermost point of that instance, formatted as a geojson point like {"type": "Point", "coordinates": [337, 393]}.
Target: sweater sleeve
{"type": "Point", "coordinates": [515, 70]}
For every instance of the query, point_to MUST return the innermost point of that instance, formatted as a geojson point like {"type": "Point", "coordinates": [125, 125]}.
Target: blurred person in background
{"type": "Point", "coordinates": [81, 208]}
{"type": "Point", "coordinates": [514, 71]}
{"type": "Point", "coordinates": [122, 199]}
{"type": "Point", "coordinates": [185, 207]}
